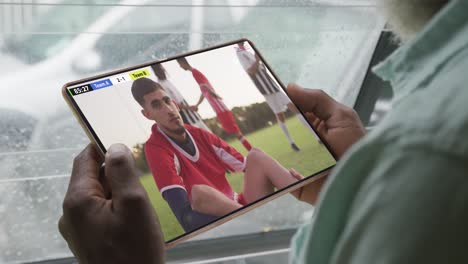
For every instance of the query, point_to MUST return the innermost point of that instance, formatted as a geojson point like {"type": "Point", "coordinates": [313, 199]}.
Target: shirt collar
{"type": "Point", "coordinates": [194, 157]}
{"type": "Point", "coordinates": [414, 63]}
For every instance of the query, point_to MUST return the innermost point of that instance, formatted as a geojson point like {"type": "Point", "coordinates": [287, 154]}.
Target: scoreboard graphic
{"type": "Point", "coordinates": [108, 82]}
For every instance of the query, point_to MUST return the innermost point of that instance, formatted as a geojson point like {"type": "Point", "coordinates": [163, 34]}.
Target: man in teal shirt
{"type": "Point", "coordinates": [399, 195]}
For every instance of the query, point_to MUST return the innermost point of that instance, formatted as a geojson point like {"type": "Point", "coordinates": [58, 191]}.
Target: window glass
{"type": "Point", "coordinates": [67, 18]}
{"type": "Point", "coordinates": [44, 44]}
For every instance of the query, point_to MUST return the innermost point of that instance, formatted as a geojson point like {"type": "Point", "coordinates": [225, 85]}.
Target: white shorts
{"type": "Point", "coordinates": [278, 102]}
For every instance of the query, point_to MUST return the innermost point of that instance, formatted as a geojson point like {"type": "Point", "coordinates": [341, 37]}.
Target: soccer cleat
{"type": "Point", "coordinates": [296, 148]}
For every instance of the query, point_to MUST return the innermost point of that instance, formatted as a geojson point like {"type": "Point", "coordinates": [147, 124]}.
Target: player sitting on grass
{"type": "Point", "coordinates": [189, 164]}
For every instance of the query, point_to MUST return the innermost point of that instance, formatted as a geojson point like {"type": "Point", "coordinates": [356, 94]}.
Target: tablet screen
{"type": "Point", "coordinates": [212, 133]}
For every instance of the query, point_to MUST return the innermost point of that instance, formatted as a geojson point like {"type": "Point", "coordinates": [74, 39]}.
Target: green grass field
{"type": "Point", "coordinates": [312, 158]}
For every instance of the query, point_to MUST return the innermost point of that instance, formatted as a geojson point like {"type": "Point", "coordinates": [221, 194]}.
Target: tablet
{"type": "Point", "coordinates": [213, 133]}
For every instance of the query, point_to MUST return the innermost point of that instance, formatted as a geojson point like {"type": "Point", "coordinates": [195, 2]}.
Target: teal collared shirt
{"type": "Point", "coordinates": [400, 195]}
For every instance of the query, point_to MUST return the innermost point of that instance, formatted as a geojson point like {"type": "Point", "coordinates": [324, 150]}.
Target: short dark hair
{"type": "Point", "coordinates": [142, 87]}
{"type": "Point", "coordinates": [182, 60]}
{"type": "Point", "coordinates": [159, 71]}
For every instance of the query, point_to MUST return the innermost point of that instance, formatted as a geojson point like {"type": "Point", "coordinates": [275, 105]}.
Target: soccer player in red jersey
{"type": "Point", "coordinates": [189, 164]}
{"type": "Point", "coordinates": [223, 113]}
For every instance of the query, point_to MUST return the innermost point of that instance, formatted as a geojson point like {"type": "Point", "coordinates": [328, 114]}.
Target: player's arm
{"type": "Point", "coordinates": [179, 203]}
{"type": "Point", "coordinates": [200, 100]}
{"type": "Point", "coordinates": [164, 166]}
{"type": "Point", "coordinates": [181, 106]}
{"type": "Point", "coordinates": [187, 107]}
{"type": "Point", "coordinates": [210, 90]}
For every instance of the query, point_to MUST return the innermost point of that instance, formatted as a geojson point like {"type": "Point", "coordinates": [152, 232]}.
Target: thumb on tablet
{"type": "Point", "coordinates": [312, 101]}
{"type": "Point", "coordinates": [120, 171]}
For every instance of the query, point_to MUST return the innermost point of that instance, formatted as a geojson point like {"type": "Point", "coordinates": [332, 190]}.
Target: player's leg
{"type": "Point", "coordinates": [301, 118]}
{"type": "Point", "coordinates": [281, 119]}
{"type": "Point", "coordinates": [208, 200]}
{"type": "Point", "coordinates": [244, 141]}
{"type": "Point", "coordinates": [278, 104]}
{"type": "Point", "coordinates": [262, 175]}
{"type": "Point", "coordinates": [229, 125]}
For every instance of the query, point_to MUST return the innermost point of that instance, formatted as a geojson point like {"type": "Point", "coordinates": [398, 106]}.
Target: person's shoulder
{"type": "Point", "coordinates": [195, 131]}
{"type": "Point", "coordinates": [201, 135]}
{"type": "Point", "coordinates": [440, 122]}
{"type": "Point", "coordinates": [156, 139]}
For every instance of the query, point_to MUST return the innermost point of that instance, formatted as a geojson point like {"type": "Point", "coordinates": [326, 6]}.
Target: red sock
{"type": "Point", "coordinates": [244, 142]}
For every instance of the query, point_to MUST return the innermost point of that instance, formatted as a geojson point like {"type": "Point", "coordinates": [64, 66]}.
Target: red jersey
{"type": "Point", "coordinates": [172, 167]}
{"type": "Point", "coordinates": [207, 90]}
